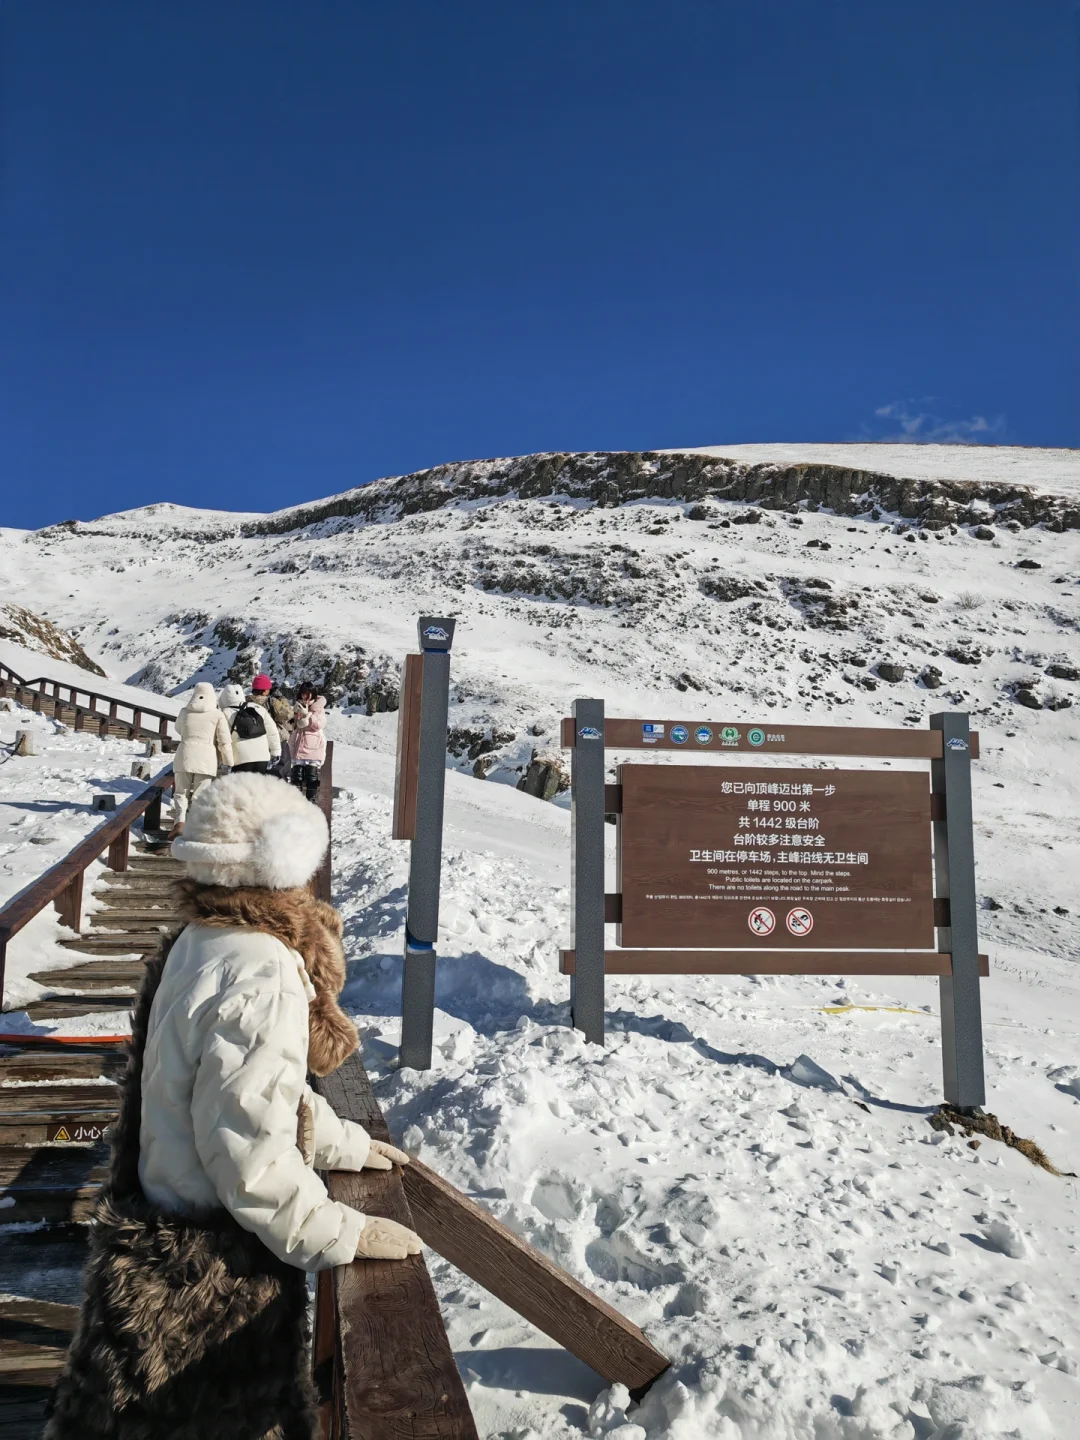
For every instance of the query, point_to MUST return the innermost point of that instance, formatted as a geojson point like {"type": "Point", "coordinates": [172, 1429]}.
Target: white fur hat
{"type": "Point", "coordinates": [251, 829]}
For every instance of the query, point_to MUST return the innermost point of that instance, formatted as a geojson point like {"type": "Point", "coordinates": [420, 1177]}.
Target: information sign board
{"type": "Point", "coordinates": [778, 858]}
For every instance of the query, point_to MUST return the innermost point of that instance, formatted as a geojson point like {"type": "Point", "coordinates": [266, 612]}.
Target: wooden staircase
{"type": "Point", "coordinates": [49, 1091]}
{"type": "Point", "coordinates": [136, 910]}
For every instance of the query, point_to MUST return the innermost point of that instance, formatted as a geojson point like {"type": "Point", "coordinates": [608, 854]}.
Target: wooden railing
{"type": "Point", "coordinates": [63, 884]}
{"type": "Point", "coordinates": [45, 696]}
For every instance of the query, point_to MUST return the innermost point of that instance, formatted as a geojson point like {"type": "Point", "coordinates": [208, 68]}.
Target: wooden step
{"type": "Point", "coordinates": [63, 1064]}
{"type": "Point", "coordinates": [122, 942]}
{"type": "Point", "coordinates": [130, 919]}
{"type": "Point", "coordinates": [22, 1412]}
{"type": "Point", "coordinates": [93, 975]}
{"type": "Point", "coordinates": [51, 1184]}
{"type": "Point", "coordinates": [67, 1006]}
{"type": "Point", "coordinates": [30, 1114]}
{"type": "Point", "coordinates": [135, 887]}
{"type": "Point", "coordinates": [34, 1337]}
{"type": "Point", "coordinates": [56, 1099]}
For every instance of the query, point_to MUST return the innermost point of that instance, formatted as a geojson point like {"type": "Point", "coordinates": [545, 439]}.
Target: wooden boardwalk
{"type": "Point", "coordinates": [52, 1091]}
{"type": "Point", "coordinates": [382, 1362]}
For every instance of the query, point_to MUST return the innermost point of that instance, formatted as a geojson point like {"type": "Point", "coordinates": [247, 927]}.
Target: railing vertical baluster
{"type": "Point", "coordinates": [69, 902]}
{"type": "Point", "coordinates": [118, 850]}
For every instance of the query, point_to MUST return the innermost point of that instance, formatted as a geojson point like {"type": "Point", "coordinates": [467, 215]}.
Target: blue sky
{"type": "Point", "coordinates": [256, 252]}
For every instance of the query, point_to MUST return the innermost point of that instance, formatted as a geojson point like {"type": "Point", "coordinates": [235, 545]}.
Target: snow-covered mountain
{"type": "Point", "coordinates": [818, 1262]}
{"type": "Point", "coordinates": [760, 583]}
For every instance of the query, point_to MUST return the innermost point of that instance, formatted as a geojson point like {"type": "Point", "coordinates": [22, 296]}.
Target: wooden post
{"type": "Point", "coordinates": [408, 749]}
{"type": "Point", "coordinates": [24, 743]}
{"type": "Point", "coordinates": [69, 902]}
{"type": "Point", "coordinates": [136, 722]}
{"type": "Point", "coordinates": [325, 1364]}
{"type": "Point", "coordinates": [163, 728]}
{"type": "Point", "coordinates": [322, 880]}
{"type": "Point", "coordinates": [118, 850]}
{"type": "Point", "coordinates": [528, 1282]}
{"type": "Point", "coordinates": [152, 814]}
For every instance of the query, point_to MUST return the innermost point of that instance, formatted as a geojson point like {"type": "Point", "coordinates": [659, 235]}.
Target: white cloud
{"type": "Point", "coordinates": [912, 420]}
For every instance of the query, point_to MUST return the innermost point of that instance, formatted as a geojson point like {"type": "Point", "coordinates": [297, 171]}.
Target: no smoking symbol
{"type": "Point", "coordinates": [762, 921]}
{"type": "Point", "coordinates": [800, 921]}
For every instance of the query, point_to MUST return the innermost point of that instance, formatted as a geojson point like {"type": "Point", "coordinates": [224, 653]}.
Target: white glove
{"type": "Point", "coordinates": [383, 1239]}
{"type": "Point", "coordinates": [384, 1157]}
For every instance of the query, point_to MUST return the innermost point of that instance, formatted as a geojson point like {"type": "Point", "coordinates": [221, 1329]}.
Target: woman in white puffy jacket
{"type": "Point", "coordinates": [205, 744]}
{"type": "Point", "coordinates": [256, 740]}
{"type": "Point", "coordinates": [213, 1209]}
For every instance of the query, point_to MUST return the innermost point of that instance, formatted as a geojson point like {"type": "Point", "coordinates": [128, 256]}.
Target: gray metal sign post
{"type": "Point", "coordinates": [425, 864]}
{"type": "Point", "coordinates": [954, 867]}
{"type": "Point", "coordinates": [587, 869]}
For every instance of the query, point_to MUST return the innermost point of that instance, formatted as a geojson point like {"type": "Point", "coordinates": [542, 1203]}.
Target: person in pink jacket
{"type": "Point", "coordinates": [308, 741]}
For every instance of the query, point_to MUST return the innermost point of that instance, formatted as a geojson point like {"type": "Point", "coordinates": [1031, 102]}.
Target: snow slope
{"type": "Point", "coordinates": [819, 1264]}
{"type": "Point", "coordinates": [817, 1270]}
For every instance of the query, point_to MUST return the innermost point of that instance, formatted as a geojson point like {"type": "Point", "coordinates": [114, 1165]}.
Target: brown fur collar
{"type": "Point", "coordinates": [306, 925]}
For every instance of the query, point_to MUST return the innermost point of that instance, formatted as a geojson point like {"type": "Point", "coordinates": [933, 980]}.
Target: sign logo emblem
{"type": "Point", "coordinates": [756, 737]}
{"type": "Point", "coordinates": [729, 735]}
{"type": "Point", "coordinates": [588, 732]}
{"type": "Point", "coordinates": [703, 735]}
{"type": "Point", "coordinates": [650, 733]}
{"type": "Point", "coordinates": [762, 921]}
{"type": "Point", "coordinates": [800, 921]}
{"type": "Point", "coordinates": [435, 632]}
{"type": "Point", "coordinates": [679, 734]}
{"type": "Point", "coordinates": [956, 743]}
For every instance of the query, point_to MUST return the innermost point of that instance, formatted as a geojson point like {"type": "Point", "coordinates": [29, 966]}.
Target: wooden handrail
{"type": "Point", "coordinates": [62, 884]}
{"type": "Point", "coordinates": [382, 1361]}
{"type": "Point", "coordinates": [74, 692]}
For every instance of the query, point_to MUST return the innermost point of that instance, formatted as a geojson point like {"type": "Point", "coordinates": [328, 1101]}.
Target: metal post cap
{"type": "Point", "coordinates": [435, 632]}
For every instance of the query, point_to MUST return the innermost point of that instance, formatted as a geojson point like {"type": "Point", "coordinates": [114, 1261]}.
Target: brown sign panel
{"type": "Point", "coordinates": [775, 859]}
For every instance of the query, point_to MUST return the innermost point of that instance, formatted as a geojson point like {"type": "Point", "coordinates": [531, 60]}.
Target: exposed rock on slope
{"type": "Point", "coordinates": [615, 478]}
{"type": "Point", "coordinates": [34, 632]}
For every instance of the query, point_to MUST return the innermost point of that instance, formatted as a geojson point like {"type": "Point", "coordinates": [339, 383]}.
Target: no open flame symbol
{"type": "Point", "coordinates": [800, 921]}
{"type": "Point", "coordinates": [762, 921]}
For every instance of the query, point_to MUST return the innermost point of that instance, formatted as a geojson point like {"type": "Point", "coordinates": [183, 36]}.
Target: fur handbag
{"type": "Point", "coordinates": [190, 1328]}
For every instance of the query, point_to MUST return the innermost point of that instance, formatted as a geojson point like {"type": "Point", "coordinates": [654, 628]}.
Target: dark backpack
{"type": "Point", "coordinates": [249, 723]}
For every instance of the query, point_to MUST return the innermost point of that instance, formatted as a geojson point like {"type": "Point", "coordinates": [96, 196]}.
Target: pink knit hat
{"type": "Point", "coordinates": [262, 682]}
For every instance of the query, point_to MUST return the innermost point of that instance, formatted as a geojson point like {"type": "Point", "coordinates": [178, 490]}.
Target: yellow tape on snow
{"type": "Point", "coordinates": [890, 1009]}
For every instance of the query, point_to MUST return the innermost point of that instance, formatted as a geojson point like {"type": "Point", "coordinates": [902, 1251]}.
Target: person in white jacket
{"type": "Point", "coordinates": [205, 744]}
{"type": "Point", "coordinates": [231, 1026]}
{"type": "Point", "coordinates": [256, 740]}
{"type": "Point", "coordinates": [213, 1209]}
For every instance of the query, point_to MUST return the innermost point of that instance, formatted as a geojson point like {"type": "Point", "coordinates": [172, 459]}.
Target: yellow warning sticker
{"type": "Point", "coordinates": [76, 1132]}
